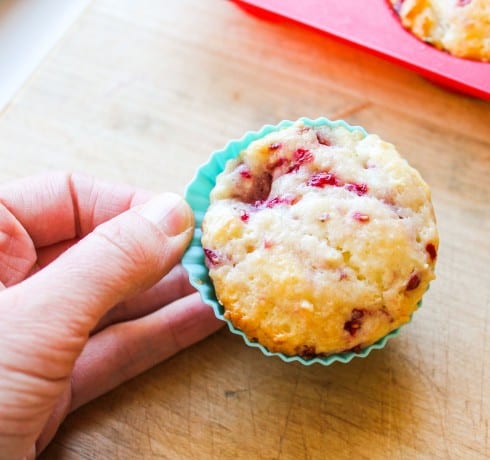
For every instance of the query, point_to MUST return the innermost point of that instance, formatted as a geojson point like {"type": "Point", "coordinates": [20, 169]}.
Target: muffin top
{"type": "Point", "coordinates": [319, 240]}
{"type": "Point", "coordinates": [461, 27]}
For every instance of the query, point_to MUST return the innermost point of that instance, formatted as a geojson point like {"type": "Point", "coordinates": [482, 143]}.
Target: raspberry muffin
{"type": "Point", "coordinates": [461, 27]}
{"type": "Point", "coordinates": [319, 240]}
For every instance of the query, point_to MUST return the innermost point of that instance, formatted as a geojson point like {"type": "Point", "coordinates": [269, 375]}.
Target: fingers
{"type": "Point", "coordinates": [59, 206]}
{"type": "Point", "coordinates": [128, 254]}
{"type": "Point", "coordinates": [59, 413]}
{"type": "Point", "coordinates": [125, 350]}
{"type": "Point", "coordinates": [17, 252]}
{"type": "Point", "coordinates": [50, 253]}
{"type": "Point", "coordinates": [171, 287]}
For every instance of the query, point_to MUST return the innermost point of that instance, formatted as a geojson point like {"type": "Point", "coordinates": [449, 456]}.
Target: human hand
{"type": "Point", "coordinates": [85, 268]}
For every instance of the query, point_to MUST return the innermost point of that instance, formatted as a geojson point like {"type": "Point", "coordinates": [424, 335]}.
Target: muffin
{"type": "Point", "coordinates": [461, 27]}
{"type": "Point", "coordinates": [319, 240]}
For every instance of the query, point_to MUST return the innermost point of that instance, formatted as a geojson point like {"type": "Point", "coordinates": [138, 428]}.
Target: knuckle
{"type": "Point", "coordinates": [128, 247]}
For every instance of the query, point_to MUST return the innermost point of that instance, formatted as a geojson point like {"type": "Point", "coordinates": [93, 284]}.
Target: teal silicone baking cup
{"type": "Point", "coordinates": [197, 195]}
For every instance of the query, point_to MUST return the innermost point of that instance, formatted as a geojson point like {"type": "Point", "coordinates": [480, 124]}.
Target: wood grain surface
{"type": "Point", "coordinates": [142, 92]}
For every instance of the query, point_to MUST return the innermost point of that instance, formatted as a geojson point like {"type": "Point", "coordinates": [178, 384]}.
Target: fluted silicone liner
{"type": "Point", "coordinates": [197, 195]}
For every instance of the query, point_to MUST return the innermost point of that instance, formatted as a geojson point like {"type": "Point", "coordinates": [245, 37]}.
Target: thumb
{"type": "Point", "coordinates": [125, 255]}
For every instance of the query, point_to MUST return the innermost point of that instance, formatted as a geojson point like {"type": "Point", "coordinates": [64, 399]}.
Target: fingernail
{"type": "Point", "coordinates": [170, 212]}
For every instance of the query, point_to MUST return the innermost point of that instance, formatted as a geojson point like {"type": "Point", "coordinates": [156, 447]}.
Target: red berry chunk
{"type": "Point", "coordinates": [275, 201]}
{"type": "Point", "coordinates": [322, 139]}
{"type": "Point", "coordinates": [357, 349]}
{"type": "Point", "coordinates": [354, 324]}
{"type": "Point", "coordinates": [300, 157]}
{"type": "Point", "coordinates": [244, 215]}
{"type": "Point", "coordinates": [360, 217]}
{"type": "Point", "coordinates": [245, 173]}
{"type": "Point", "coordinates": [413, 282]}
{"type": "Point", "coordinates": [212, 257]}
{"type": "Point", "coordinates": [275, 146]}
{"type": "Point", "coordinates": [357, 313]}
{"type": "Point", "coordinates": [463, 2]}
{"type": "Point", "coordinates": [431, 249]}
{"type": "Point", "coordinates": [321, 179]}
{"type": "Point", "coordinates": [324, 178]}
{"type": "Point", "coordinates": [360, 189]}
{"type": "Point", "coordinates": [308, 352]}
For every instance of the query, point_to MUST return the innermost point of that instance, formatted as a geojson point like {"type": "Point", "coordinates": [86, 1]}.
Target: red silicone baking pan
{"type": "Point", "coordinates": [374, 26]}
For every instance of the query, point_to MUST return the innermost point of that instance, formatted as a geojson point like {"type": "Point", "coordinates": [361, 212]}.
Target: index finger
{"type": "Point", "coordinates": [56, 207]}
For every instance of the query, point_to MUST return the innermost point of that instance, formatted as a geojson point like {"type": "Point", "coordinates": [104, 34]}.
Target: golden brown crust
{"type": "Point", "coordinates": [461, 27]}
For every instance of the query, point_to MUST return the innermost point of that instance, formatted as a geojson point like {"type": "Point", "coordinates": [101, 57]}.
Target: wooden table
{"type": "Point", "coordinates": [142, 92]}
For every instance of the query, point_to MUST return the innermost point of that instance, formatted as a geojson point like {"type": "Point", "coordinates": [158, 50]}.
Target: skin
{"type": "Point", "coordinates": [91, 295]}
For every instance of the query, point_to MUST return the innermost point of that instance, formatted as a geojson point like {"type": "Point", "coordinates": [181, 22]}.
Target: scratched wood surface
{"type": "Point", "coordinates": [142, 92]}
